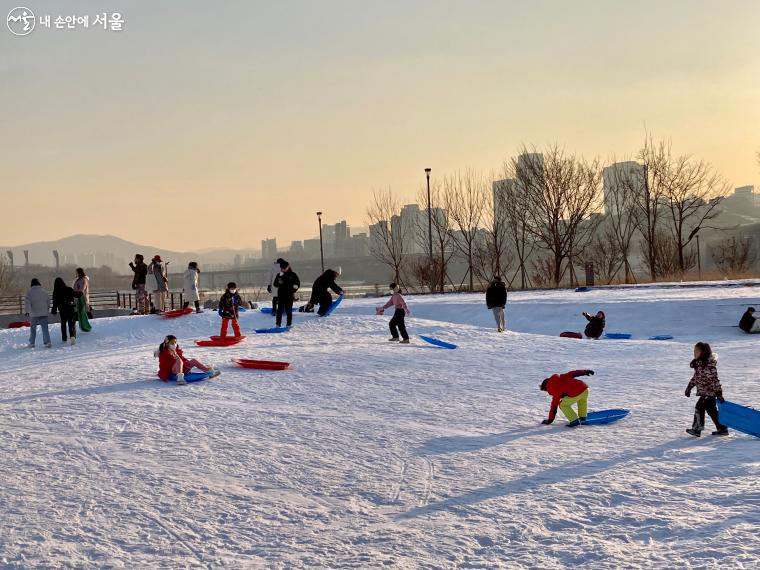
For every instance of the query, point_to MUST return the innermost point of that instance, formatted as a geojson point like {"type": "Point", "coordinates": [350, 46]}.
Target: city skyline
{"type": "Point", "coordinates": [355, 98]}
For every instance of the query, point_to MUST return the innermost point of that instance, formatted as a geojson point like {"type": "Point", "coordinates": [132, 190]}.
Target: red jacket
{"type": "Point", "coordinates": [166, 362]}
{"type": "Point", "coordinates": [567, 384]}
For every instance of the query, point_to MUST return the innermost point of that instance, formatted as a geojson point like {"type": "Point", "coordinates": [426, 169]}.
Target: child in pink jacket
{"type": "Point", "coordinates": [401, 310]}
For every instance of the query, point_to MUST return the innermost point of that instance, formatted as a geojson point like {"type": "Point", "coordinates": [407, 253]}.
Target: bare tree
{"type": "Point", "coordinates": [733, 256]}
{"type": "Point", "coordinates": [605, 254]}
{"type": "Point", "coordinates": [463, 195]}
{"type": "Point", "coordinates": [514, 205]}
{"type": "Point", "coordinates": [562, 192]}
{"type": "Point", "coordinates": [443, 247]}
{"type": "Point", "coordinates": [7, 281]}
{"type": "Point", "coordinates": [494, 255]}
{"type": "Point", "coordinates": [625, 183]}
{"type": "Point", "coordinates": [386, 235]}
{"type": "Point", "coordinates": [665, 256]}
{"type": "Point", "coordinates": [693, 192]}
{"type": "Point", "coordinates": [649, 199]}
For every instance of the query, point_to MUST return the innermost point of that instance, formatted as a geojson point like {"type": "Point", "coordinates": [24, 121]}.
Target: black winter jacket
{"type": "Point", "coordinates": [229, 305]}
{"type": "Point", "coordinates": [496, 295]}
{"type": "Point", "coordinates": [747, 321]}
{"type": "Point", "coordinates": [287, 283]}
{"type": "Point", "coordinates": [141, 272]}
{"type": "Point", "coordinates": [65, 300]}
{"type": "Point", "coordinates": [322, 284]}
{"type": "Point", "coordinates": [595, 326]}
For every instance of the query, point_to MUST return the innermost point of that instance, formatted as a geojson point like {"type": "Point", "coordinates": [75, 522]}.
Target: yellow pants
{"type": "Point", "coordinates": [566, 405]}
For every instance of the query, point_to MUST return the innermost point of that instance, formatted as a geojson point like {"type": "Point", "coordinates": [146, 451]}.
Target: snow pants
{"type": "Point", "coordinates": [498, 315]}
{"type": "Point", "coordinates": [143, 303]}
{"type": "Point", "coordinates": [397, 324]}
{"type": "Point", "coordinates": [566, 405]}
{"type": "Point", "coordinates": [68, 323]}
{"type": "Point", "coordinates": [324, 300]}
{"type": "Point", "coordinates": [225, 324]}
{"type": "Point", "coordinates": [286, 307]}
{"type": "Point", "coordinates": [706, 404]}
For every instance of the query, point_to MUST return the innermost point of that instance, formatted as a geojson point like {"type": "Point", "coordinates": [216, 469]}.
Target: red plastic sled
{"type": "Point", "coordinates": [177, 313]}
{"type": "Point", "coordinates": [19, 324]}
{"type": "Point", "coordinates": [570, 334]}
{"type": "Point", "coordinates": [221, 341]}
{"type": "Point", "coordinates": [261, 364]}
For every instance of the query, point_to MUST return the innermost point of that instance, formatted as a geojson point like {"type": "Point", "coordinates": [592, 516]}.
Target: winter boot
{"type": "Point", "coordinates": [405, 341]}
{"type": "Point", "coordinates": [721, 431]}
{"type": "Point", "coordinates": [574, 423]}
{"type": "Point", "coordinates": [694, 432]}
{"type": "Point", "coordinates": [393, 339]}
{"type": "Point", "coordinates": [213, 373]}
{"type": "Point", "coordinates": [181, 379]}
{"type": "Point", "coordinates": [582, 420]}
{"type": "Point", "coordinates": [72, 341]}
{"type": "Point", "coordinates": [49, 345]}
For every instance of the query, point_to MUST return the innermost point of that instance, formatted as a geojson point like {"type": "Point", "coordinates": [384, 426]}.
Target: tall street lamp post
{"type": "Point", "coordinates": [430, 227]}
{"type": "Point", "coordinates": [321, 249]}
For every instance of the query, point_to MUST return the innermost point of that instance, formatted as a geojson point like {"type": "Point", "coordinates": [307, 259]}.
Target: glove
{"type": "Point", "coordinates": [687, 393]}
{"type": "Point", "coordinates": [589, 372]}
{"type": "Point", "coordinates": [546, 422]}
{"type": "Point", "coordinates": [720, 397]}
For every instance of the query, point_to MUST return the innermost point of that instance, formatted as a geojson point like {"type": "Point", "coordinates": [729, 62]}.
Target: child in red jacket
{"type": "Point", "coordinates": [172, 362]}
{"type": "Point", "coordinates": [567, 390]}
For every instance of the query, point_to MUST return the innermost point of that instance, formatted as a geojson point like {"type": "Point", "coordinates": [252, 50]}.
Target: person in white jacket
{"type": "Point", "coordinates": [271, 287]}
{"type": "Point", "coordinates": [191, 290]}
{"type": "Point", "coordinates": [37, 307]}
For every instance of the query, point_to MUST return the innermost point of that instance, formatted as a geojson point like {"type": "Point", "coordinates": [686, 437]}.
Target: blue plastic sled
{"type": "Point", "coordinates": [438, 343]}
{"type": "Point", "coordinates": [333, 306]}
{"type": "Point", "coordinates": [740, 418]}
{"type": "Point", "coordinates": [272, 330]}
{"type": "Point", "coordinates": [661, 337]}
{"type": "Point", "coordinates": [603, 417]}
{"type": "Point", "coordinates": [191, 377]}
{"type": "Point", "coordinates": [583, 289]}
{"type": "Point", "coordinates": [267, 310]}
{"type": "Point", "coordinates": [617, 335]}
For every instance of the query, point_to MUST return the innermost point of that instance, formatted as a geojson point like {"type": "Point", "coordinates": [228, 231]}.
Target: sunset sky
{"type": "Point", "coordinates": [207, 124]}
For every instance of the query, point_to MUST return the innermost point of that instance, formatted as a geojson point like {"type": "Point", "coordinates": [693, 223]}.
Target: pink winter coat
{"type": "Point", "coordinates": [397, 301]}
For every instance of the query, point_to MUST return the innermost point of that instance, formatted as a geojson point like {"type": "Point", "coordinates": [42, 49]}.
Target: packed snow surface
{"type": "Point", "coordinates": [367, 454]}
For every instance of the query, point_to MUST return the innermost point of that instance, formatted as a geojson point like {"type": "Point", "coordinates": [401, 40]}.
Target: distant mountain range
{"type": "Point", "coordinates": [97, 250]}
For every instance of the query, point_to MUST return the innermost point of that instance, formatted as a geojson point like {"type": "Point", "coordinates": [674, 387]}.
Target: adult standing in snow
{"type": "Point", "coordinates": [401, 310]}
{"type": "Point", "coordinates": [749, 323]}
{"type": "Point", "coordinates": [705, 379]}
{"type": "Point", "coordinates": [140, 269]}
{"type": "Point", "coordinates": [566, 390]}
{"type": "Point", "coordinates": [191, 290]}
{"type": "Point", "coordinates": [64, 301]}
{"type": "Point", "coordinates": [82, 285]}
{"type": "Point", "coordinates": [271, 287]}
{"type": "Point", "coordinates": [496, 300]}
{"type": "Point", "coordinates": [37, 305]}
{"type": "Point", "coordinates": [287, 283]}
{"type": "Point", "coordinates": [320, 294]}
{"type": "Point", "coordinates": [595, 326]}
{"type": "Point", "coordinates": [158, 283]}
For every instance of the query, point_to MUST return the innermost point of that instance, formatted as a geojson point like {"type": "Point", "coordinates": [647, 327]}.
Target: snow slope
{"type": "Point", "coordinates": [370, 455]}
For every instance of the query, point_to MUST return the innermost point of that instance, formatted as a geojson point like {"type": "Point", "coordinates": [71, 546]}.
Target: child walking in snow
{"type": "Point", "coordinates": [229, 305]}
{"type": "Point", "coordinates": [566, 390]}
{"type": "Point", "coordinates": [401, 310]}
{"type": "Point", "coordinates": [172, 362]}
{"type": "Point", "coordinates": [705, 378]}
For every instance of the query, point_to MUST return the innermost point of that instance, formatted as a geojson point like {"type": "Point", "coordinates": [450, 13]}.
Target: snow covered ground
{"type": "Point", "coordinates": [371, 455]}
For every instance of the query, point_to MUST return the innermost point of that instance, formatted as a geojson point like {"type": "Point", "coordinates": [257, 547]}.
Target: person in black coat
{"type": "Point", "coordinates": [749, 322]}
{"type": "Point", "coordinates": [319, 291]}
{"type": "Point", "coordinates": [595, 326]}
{"type": "Point", "coordinates": [65, 301]}
{"type": "Point", "coordinates": [496, 300]}
{"type": "Point", "coordinates": [287, 283]}
{"type": "Point", "coordinates": [140, 269]}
